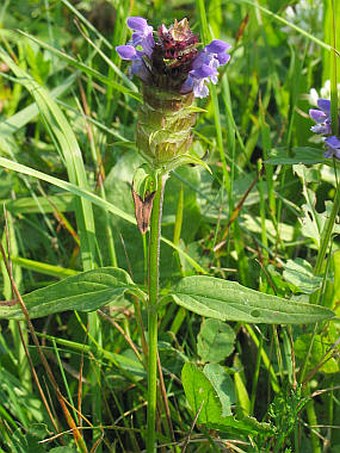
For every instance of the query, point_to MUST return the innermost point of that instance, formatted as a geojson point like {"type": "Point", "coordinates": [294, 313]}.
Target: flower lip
{"type": "Point", "coordinates": [203, 71]}
{"type": "Point", "coordinates": [321, 129]}
{"type": "Point", "coordinates": [217, 46]}
{"type": "Point", "coordinates": [318, 116]}
{"type": "Point", "coordinates": [323, 126]}
{"type": "Point", "coordinates": [143, 34]}
{"type": "Point", "coordinates": [223, 58]}
{"type": "Point", "coordinates": [204, 67]}
{"type": "Point", "coordinates": [137, 23]}
{"type": "Point", "coordinates": [321, 117]}
{"type": "Point", "coordinates": [333, 147]}
{"type": "Point", "coordinates": [333, 142]}
{"type": "Point", "coordinates": [127, 52]}
{"type": "Point", "coordinates": [324, 105]}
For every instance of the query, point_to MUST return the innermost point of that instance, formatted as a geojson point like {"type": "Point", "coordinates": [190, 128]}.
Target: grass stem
{"type": "Point", "coordinates": [327, 232]}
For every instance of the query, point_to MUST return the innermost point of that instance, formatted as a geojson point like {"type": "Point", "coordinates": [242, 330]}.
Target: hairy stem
{"type": "Point", "coordinates": [154, 246]}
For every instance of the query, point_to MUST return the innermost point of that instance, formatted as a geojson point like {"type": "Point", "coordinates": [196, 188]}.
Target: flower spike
{"type": "Point", "coordinates": [173, 71]}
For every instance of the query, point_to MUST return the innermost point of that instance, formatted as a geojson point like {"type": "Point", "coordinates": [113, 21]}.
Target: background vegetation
{"type": "Point", "coordinates": [68, 116]}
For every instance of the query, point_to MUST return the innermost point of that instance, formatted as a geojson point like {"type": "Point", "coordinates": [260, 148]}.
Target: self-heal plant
{"type": "Point", "coordinates": [172, 67]}
{"type": "Point", "coordinates": [173, 72]}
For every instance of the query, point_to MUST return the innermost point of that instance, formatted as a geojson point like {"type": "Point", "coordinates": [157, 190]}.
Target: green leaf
{"type": "Point", "coordinates": [13, 124]}
{"type": "Point", "coordinates": [226, 300]}
{"type": "Point", "coordinates": [215, 340]}
{"type": "Point", "coordinates": [145, 181]}
{"type": "Point", "coordinates": [86, 291]}
{"type": "Point", "coordinates": [300, 155]}
{"type": "Point", "coordinates": [255, 224]}
{"type": "Point", "coordinates": [200, 394]}
{"type": "Point", "coordinates": [29, 440]}
{"type": "Point", "coordinates": [65, 449]}
{"type": "Point", "coordinates": [299, 273]}
{"type": "Point", "coordinates": [320, 352]}
{"type": "Point", "coordinates": [223, 385]}
{"type": "Point", "coordinates": [206, 405]}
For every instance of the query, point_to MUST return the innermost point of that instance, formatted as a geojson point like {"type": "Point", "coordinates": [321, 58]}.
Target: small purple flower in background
{"type": "Point", "coordinates": [173, 62]}
{"type": "Point", "coordinates": [322, 118]}
{"type": "Point", "coordinates": [333, 147]}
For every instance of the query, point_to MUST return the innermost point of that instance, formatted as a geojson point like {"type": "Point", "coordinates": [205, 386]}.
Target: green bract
{"type": "Point", "coordinates": [164, 129]}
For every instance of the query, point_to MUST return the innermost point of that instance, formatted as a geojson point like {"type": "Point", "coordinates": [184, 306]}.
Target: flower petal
{"type": "Point", "coordinates": [325, 105]}
{"type": "Point", "coordinates": [200, 89]}
{"type": "Point", "coordinates": [126, 52]}
{"type": "Point", "coordinates": [318, 116]}
{"type": "Point", "coordinates": [217, 46]}
{"type": "Point", "coordinates": [203, 71]}
{"type": "Point", "coordinates": [333, 142]}
{"type": "Point", "coordinates": [137, 23]}
{"type": "Point", "coordinates": [188, 85]}
{"type": "Point", "coordinates": [321, 129]}
{"type": "Point", "coordinates": [333, 147]}
{"type": "Point", "coordinates": [223, 58]}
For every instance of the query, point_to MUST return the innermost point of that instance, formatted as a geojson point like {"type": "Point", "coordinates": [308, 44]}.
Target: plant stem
{"type": "Point", "coordinates": [154, 246]}
{"type": "Point", "coordinates": [312, 420]}
{"type": "Point", "coordinates": [327, 232]}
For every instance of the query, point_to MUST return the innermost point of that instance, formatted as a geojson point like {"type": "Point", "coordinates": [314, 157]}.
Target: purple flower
{"type": "Point", "coordinates": [321, 117]}
{"type": "Point", "coordinates": [127, 52]}
{"type": "Point", "coordinates": [333, 147]}
{"type": "Point", "coordinates": [204, 68]}
{"type": "Point", "coordinates": [323, 126]}
{"type": "Point", "coordinates": [172, 63]}
{"type": "Point", "coordinates": [143, 34]}
{"type": "Point", "coordinates": [140, 46]}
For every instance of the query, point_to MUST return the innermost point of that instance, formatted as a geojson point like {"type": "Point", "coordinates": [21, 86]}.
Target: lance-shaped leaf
{"type": "Point", "coordinates": [227, 300]}
{"type": "Point", "coordinates": [86, 291]}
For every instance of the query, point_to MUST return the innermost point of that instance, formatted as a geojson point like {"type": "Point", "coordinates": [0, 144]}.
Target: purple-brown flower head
{"type": "Point", "coordinates": [172, 62]}
{"type": "Point", "coordinates": [178, 42]}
